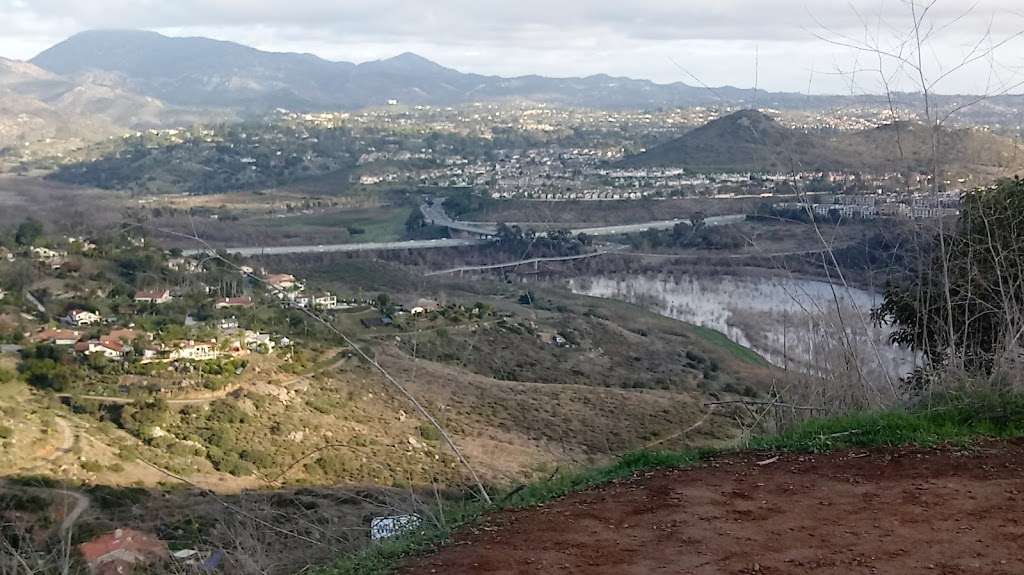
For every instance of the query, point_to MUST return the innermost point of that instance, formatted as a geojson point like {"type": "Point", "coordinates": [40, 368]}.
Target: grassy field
{"type": "Point", "coordinates": [320, 227]}
{"type": "Point", "coordinates": [960, 420]}
{"type": "Point", "coordinates": [382, 224]}
{"type": "Point", "coordinates": [719, 339]}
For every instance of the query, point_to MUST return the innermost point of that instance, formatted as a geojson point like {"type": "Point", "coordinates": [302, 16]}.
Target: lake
{"type": "Point", "coordinates": [794, 323]}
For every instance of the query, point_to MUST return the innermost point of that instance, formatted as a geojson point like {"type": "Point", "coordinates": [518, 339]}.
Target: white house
{"type": "Point", "coordinates": [109, 349]}
{"type": "Point", "coordinates": [194, 350]}
{"type": "Point", "coordinates": [78, 317]}
{"type": "Point", "coordinates": [325, 301]}
{"type": "Point", "coordinates": [53, 258]}
{"type": "Point", "coordinates": [256, 341]}
{"type": "Point", "coordinates": [228, 324]}
{"type": "Point", "coordinates": [153, 296]}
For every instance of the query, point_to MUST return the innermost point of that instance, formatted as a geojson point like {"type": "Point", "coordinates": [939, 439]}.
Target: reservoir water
{"type": "Point", "coordinates": [794, 323]}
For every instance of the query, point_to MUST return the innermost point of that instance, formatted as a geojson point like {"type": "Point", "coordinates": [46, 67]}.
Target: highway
{"type": "Point", "coordinates": [434, 214]}
{"type": "Point", "coordinates": [658, 225]}
{"type": "Point", "coordinates": [334, 248]}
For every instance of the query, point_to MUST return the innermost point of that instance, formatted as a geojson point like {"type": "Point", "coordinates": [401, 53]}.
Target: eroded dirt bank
{"type": "Point", "coordinates": [936, 511]}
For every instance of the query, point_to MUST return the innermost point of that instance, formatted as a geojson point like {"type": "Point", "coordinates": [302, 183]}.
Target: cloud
{"type": "Point", "coordinates": [714, 39]}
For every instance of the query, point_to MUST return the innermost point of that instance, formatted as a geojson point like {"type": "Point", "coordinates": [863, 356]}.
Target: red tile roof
{"type": "Point", "coordinates": [108, 553]}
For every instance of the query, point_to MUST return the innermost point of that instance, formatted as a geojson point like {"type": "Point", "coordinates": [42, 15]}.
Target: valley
{"type": "Point", "coordinates": [269, 312]}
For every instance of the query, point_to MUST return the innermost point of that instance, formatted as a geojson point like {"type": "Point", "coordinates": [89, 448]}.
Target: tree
{"type": "Point", "coordinates": [28, 232]}
{"type": "Point", "coordinates": [697, 220]}
{"type": "Point", "coordinates": [980, 270]}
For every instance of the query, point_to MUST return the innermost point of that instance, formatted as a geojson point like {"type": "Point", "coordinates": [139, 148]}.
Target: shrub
{"type": "Point", "coordinates": [429, 432]}
{"type": "Point", "coordinates": [23, 502]}
{"type": "Point", "coordinates": [93, 466]}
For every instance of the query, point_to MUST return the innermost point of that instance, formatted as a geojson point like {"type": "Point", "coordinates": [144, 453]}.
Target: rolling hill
{"type": "Point", "coordinates": [749, 140]}
{"type": "Point", "coordinates": [36, 104]}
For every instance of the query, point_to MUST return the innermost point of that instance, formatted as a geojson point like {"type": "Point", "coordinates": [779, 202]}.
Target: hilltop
{"type": "Point", "coordinates": [750, 140]}
{"type": "Point", "coordinates": [747, 140]}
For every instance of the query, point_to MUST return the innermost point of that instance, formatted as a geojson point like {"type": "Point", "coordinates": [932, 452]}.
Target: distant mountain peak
{"type": "Point", "coordinates": [409, 62]}
{"type": "Point", "coordinates": [204, 73]}
{"type": "Point", "coordinates": [411, 57]}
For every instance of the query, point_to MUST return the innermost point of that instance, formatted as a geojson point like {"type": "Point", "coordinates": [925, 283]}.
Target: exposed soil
{"type": "Point", "coordinates": [937, 511]}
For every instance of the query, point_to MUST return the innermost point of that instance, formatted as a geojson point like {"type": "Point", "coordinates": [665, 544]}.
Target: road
{"type": "Point", "coordinates": [656, 225]}
{"type": "Point", "coordinates": [82, 503]}
{"type": "Point", "coordinates": [517, 263]}
{"type": "Point", "coordinates": [335, 248]}
{"type": "Point", "coordinates": [434, 214]}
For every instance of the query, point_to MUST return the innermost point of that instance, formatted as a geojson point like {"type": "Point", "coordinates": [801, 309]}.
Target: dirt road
{"type": "Point", "coordinates": [899, 511]}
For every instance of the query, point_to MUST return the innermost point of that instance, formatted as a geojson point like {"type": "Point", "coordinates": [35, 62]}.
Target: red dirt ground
{"type": "Point", "coordinates": [935, 511]}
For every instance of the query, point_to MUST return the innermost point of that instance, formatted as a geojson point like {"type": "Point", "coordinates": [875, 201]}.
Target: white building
{"type": "Point", "coordinates": [153, 296]}
{"type": "Point", "coordinates": [78, 317]}
{"type": "Point", "coordinates": [195, 351]}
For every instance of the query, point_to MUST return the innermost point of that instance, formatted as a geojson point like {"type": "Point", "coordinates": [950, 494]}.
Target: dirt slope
{"type": "Point", "coordinates": [900, 511]}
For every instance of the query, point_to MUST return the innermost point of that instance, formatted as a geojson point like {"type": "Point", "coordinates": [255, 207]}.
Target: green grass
{"type": "Point", "coordinates": [956, 419]}
{"type": "Point", "coordinates": [378, 224]}
{"type": "Point", "coordinates": [719, 339]}
{"type": "Point", "coordinates": [953, 419]}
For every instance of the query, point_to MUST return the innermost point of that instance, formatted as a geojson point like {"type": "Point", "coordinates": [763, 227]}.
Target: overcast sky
{"type": "Point", "coordinates": [714, 41]}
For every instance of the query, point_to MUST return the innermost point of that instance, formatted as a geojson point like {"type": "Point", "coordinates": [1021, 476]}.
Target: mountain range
{"type": "Point", "coordinates": [200, 72]}
{"type": "Point", "coordinates": [102, 82]}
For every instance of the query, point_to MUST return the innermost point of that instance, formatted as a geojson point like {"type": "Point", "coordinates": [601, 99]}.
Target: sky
{"type": "Point", "coordinates": [780, 45]}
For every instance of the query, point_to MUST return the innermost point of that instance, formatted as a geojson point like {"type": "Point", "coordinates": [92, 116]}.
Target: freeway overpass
{"type": "Point", "coordinates": [480, 234]}
{"type": "Point", "coordinates": [434, 214]}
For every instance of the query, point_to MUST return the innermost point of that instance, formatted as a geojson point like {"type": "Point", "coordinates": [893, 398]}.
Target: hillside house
{"type": "Point", "coordinates": [56, 337]}
{"type": "Point", "coordinates": [194, 350]}
{"type": "Point", "coordinates": [158, 296]}
{"type": "Point", "coordinates": [52, 258]}
{"type": "Point", "coordinates": [325, 301]}
{"type": "Point", "coordinates": [80, 318]}
{"type": "Point", "coordinates": [107, 348]}
{"type": "Point", "coordinates": [229, 302]}
{"type": "Point", "coordinates": [259, 342]}
{"type": "Point", "coordinates": [184, 265]}
{"type": "Point", "coordinates": [424, 305]}
{"type": "Point", "coordinates": [282, 281]}
{"type": "Point", "coordinates": [122, 551]}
